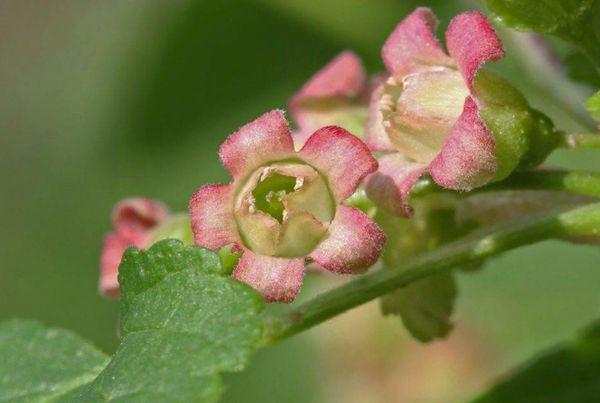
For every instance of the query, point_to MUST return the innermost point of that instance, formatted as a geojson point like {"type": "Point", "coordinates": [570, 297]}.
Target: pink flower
{"type": "Point", "coordinates": [133, 219]}
{"type": "Point", "coordinates": [284, 206]}
{"type": "Point", "coordinates": [338, 94]}
{"type": "Point", "coordinates": [427, 113]}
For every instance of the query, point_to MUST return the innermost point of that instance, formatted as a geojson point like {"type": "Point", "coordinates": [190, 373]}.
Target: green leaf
{"type": "Point", "coordinates": [576, 21]}
{"type": "Point", "coordinates": [566, 374]}
{"type": "Point", "coordinates": [44, 364]}
{"type": "Point", "coordinates": [581, 69]}
{"type": "Point", "coordinates": [557, 17]}
{"type": "Point", "coordinates": [182, 324]}
{"type": "Point", "coordinates": [593, 105]}
{"type": "Point", "coordinates": [425, 306]}
{"type": "Point", "coordinates": [182, 321]}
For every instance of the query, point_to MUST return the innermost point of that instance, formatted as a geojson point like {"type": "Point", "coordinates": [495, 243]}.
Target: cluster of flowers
{"type": "Point", "coordinates": [433, 112]}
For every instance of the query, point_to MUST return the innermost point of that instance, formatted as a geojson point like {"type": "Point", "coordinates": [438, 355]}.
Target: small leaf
{"type": "Point", "coordinates": [568, 373]}
{"type": "Point", "coordinates": [182, 324]}
{"type": "Point", "coordinates": [425, 306]}
{"type": "Point", "coordinates": [40, 363]}
{"type": "Point", "coordinates": [593, 105]}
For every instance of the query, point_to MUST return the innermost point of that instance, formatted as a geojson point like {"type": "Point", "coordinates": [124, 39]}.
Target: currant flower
{"type": "Point", "coordinates": [133, 221]}
{"type": "Point", "coordinates": [440, 113]}
{"type": "Point", "coordinates": [283, 206]}
{"type": "Point", "coordinates": [338, 95]}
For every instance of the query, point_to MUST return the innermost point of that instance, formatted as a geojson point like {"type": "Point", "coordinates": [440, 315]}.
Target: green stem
{"type": "Point", "coordinates": [580, 140]}
{"type": "Point", "coordinates": [576, 222]}
{"type": "Point", "coordinates": [578, 182]}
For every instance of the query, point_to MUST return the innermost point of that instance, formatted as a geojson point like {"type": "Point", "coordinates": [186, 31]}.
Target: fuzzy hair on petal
{"type": "Point", "coordinates": [341, 157]}
{"type": "Point", "coordinates": [264, 139]}
{"type": "Point", "coordinates": [413, 44]}
{"type": "Point", "coordinates": [211, 213]}
{"type": "Point", "coordinates": [354, 243]}
{"type": "Point", "coordinates": [471, 42]}
{"type": "Point", "coordinates": [277, 279]}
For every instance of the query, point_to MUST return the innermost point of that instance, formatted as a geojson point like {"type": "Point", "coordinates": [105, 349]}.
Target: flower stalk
{"type": "Point", "coordinates": [580, 140]}
{"type": "Point", "coordinates": [582, 221]}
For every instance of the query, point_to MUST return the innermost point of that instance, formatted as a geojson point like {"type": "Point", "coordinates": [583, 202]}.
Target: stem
{"type": "Point", "coordinates": [575, 222]}
{"type": "Point", "coordinates": [580, 140]}
{"type": "Point", "coordinates": [578, 182]}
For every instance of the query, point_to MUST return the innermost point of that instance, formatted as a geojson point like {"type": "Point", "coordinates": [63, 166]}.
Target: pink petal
{"type": "Point", "coordinates": [413, 44]}
{"type": "Point", "coordinates": [344, 76]}
{"type": "Point", "coordinates": [390, 186]}
{"type": "Point", "coordinates": [353, 245]}
{"type": "Point", "coordinates": [375, 135]}
{"type": "Point", "coordinates": [467, 158]}
{"type": "Point", "coordinates": [263, 140]}
{"type": "Point", "coordinates": [341, 157]}
{"type": "Point", "coordinates": [472, 41]}
{"type": "Point", "coordinates": [112, 251]}
{"type": "Point", "coordinates": [211, 212]}
{"type": "Point", "coordinates": [300, 137]}
{"type": "Point", "coordinates": [137, 215]}
{"type": "Point", "coordinates": [277, 279]}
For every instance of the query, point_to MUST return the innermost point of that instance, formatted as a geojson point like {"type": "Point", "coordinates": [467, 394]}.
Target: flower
{"type": "Point", "coordinates": [284, 206]}
{"type": "Point", "coordinates": [133, 220]}
{"type": "Point", "coordinates": [439, 113]}
{"type": "Point", "coordinates": [338, 94]}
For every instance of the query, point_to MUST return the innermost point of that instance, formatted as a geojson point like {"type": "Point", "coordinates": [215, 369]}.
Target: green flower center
{"type": "Point", "coordinates": [283, 210]}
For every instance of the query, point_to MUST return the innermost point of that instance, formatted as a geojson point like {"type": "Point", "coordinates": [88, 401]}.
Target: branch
{"type": "Point", "coordinates": [578, 182]}
{"type": "Point", "coordinates": [581, 221]}
{"type": "Point", "coordinates": [580, 140]}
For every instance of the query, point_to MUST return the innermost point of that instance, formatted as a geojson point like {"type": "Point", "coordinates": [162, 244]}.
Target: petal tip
{"type": "Point", "coordinates": [265, 138]}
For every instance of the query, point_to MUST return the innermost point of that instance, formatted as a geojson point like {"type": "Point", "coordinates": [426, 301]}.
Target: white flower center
{"type": "Point", "coordinates": [420, 109]}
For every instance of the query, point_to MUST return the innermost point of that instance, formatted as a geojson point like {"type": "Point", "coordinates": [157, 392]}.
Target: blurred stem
{"type": "Point", "coordinates": [580, 140]}
{"type": "Point", "coordinates": [578, 182]}
{"type": "Point", "coordinates": [582, 221]}
{"type": "Point", "coordinates": [545, 71]}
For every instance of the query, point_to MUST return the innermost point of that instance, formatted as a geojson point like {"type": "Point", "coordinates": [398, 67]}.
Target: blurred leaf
{"type": "Point", "coordinates": [593, 105]}
{"type": "Point", "coordinates": [39, 363]}
{"type": "Point", "coordinates": [576, 21]}
{"type": "Point", "coordinates": [182, 324]}
{"type": "Point", "coordinates": [557, 17]}
{"type": "Point", "coordinates": [567, 374]}
{"type": "Point", "coordinates": [425, 306]}
{"type": "Point", "coordinates": [581, 69]}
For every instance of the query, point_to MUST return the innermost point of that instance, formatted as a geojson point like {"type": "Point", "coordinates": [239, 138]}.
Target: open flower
{"type": "Point", "coordinates": [439, 113]}
{"type": "Point", "coordinates": [133, 220]}
{"type": "Point", "coordinates": [338, 94]}
{"type": "Point", "coordinates": [283, 206]}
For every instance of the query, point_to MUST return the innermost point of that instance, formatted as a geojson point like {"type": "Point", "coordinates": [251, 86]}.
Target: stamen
{"type": "Point", "coordinates": [299, 183]}
{"type": "Point", "coordinates": [267, 171]}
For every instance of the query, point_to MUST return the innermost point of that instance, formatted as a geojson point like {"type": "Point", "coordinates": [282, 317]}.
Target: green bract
{"type": "Point", "coordinates": [523, 136]}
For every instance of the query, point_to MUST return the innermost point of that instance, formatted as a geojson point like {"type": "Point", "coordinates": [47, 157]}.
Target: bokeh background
{"type": "Point", "coordinates": [107, 99]}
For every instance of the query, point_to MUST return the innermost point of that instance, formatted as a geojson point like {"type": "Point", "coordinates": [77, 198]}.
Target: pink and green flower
{"type": "Point", "coordinates": [338, 94]}
{"type": "Point", "coordinates": [284, 207]}
{"type": "Point", "coordinates": [133, 221]}
{"type": "Point", "coordinates": [440, 113]}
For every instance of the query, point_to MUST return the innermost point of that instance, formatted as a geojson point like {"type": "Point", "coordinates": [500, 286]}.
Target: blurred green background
{"type": "Point", "coordinates": [105, 99]}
